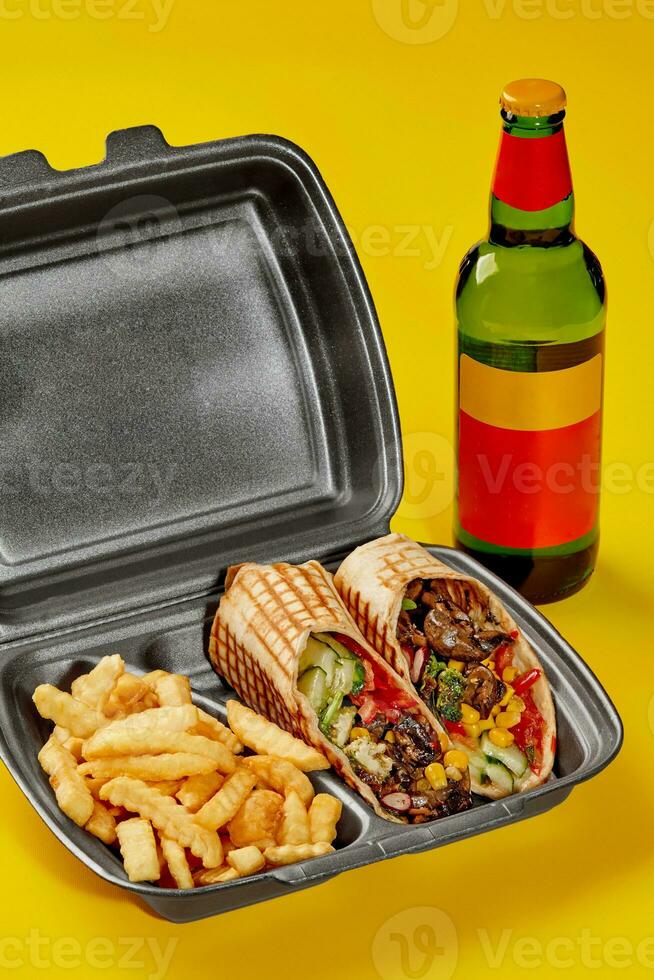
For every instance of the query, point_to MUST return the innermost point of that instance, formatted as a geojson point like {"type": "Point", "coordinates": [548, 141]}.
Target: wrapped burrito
{"type": "Point", "coordinates": [452, 639]}
{"type": "Point", "coordinates": [284, 640]}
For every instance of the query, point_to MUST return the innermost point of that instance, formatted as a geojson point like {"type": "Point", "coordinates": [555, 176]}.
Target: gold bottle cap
{"type": "Point", "coordinates": [533, 97]}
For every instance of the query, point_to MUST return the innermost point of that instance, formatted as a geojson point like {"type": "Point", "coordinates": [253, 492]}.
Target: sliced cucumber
{"type": "Point", "coordinates": [313, 684]}
{"type": "Point", "coordinates": [344, 677]}
{"type": "Point", "coordinates": [511, 756]}
{"type": "Point", "coordinates": [317, 654]}
{"type": "Point", "coordinates": [500, 776]}
{"type": "Point", "coordinates": [476, 758]}
{"type": "Point", "coordinates": [337, 647]}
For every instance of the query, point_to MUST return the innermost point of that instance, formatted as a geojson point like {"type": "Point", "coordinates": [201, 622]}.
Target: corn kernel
{"type": "Point", "coordinates": [472, 731]}
{"type": "Point", "coordinates": [507, 697]}
{"type": "Point", "coordinates": [469, 716]}
{"type": "Point", "coordinates": [457, 759]}
{"type": "Point", "coordinates": [444, 740]}
{"type": "Point", "coordinates": [435, 773]}
{"type": "Point", "coordinates": [456, 664]}
{"type": "Point", "coordinates": [389, 737]}
{"type": "Point", "coordinates": [516, 704]}
{"type": "Point", "coordinates": [507, 719]}
{"type": "Point", "coordinates": [485, 726]}
{"type": "Point", "coordinates": [423, 785]}
{"type": "Point", "coordinates": [509, 674]}
{"type": "Point", "coordinates": [495, 709]}
{"type": "Point", "coordinates": [453, 773]}
{"type": "Point", "coordinates": [501, 737]}
{"type": "Point", "coordinates": [359, 733]}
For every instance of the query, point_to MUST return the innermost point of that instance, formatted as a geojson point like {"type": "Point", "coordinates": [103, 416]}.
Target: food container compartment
{"type": "Point", "coordinates": [203, 307]}
{"type": "Point", "coordinates": [175, 638]}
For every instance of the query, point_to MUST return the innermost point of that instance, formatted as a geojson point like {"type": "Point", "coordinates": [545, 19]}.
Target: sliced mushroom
{"type": "Point", "coordinates": [451, 639]}
{"type": "Point", "coordinates": [483, 689]}
{"type": "Point", "coordinates": [490, 638]}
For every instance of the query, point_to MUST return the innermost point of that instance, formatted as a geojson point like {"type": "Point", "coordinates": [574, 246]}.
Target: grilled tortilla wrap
{"type": "Point", "coordinates": [420, 615]}
{"type": "Point", "coordinates": [284, 640]}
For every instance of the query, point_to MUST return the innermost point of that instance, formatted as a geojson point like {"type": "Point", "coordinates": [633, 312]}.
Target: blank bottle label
{"type": "Point", "coordinates": [529, 453]}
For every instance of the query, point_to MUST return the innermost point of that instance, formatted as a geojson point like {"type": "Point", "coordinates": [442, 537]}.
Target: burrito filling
{"type": "Point", "coordinates": [379, 727]}
{"type": "Point", "coordinates": [461, 663]}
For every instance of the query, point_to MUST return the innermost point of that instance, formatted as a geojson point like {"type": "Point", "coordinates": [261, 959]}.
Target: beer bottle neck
{"type": "Point", "coordinates": [532, 201]}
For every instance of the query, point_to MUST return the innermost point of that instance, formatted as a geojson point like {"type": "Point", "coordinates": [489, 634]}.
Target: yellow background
{"type": "Point", "coordinates": [404, 129]}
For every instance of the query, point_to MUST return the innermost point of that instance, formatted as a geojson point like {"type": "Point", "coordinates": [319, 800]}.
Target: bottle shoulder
{"type": "Point", "coordinates": [526, 293]}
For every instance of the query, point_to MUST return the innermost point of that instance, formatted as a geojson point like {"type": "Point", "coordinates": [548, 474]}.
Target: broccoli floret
{"type": "Point", "coordinates": [433, 667]}
{"type": "Point", "coordinates": [451, 685]}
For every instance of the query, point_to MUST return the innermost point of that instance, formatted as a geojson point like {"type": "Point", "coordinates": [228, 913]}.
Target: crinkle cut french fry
{"type": "Point", "coordinates": [139, 850]}
{"type": "Point", "coordinates": [128, 692]}
{"type": "Point", "coordinates": [257, 821]}
{"type": "Point", "coordinates": [280, 775]}
{"type": "Point", "coordinates": [66, 712]}
{"type": "Point", "coordinates": [128, 742]}
{"type": "Point", "coordinates": [290, 853]}
{"type": "Point", "coordinates": [226, 803]}
{"type": "Point", "coordinates": [175, 858]}
{"type": "Point", "coordinates": [324, 814]}
{"type": "Point", "coordinates": [169, 817]}
{"type": "Point", "coordinates": [294, 826]}
{"type": "Point", "coordinates": [150, 768]}
{"type": "Point", "coordinates": [210, 727]}
{"type": "Point", "coordinates": [153, 721]}
{"type": "Point", "coordinates": [196, 790]}
{"type": "Point", "coordinates": [168, 787]}
{"type": "Point", "coordinates": [74, 745]}
{"type": "Point", "coordinates": [94, 688]}
{"type": "Point", "coordinates": [167, 719]}
{"type": "Point", "coordinates": [71, 791]}
{"type": "Point", "coordinates": [246, 860]}
{"type": "Point", "coordinates": [173, 689]}
{"type": "Point", "coordinates": [102, 823]}
{"type": "Point", "coordinates": [215, 876]}
{"type": "Point", "coordinates": [265, 738]}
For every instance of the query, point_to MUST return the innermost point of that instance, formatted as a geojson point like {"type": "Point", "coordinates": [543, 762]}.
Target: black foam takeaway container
{"type": "Point", "coordinates": [193, 375]}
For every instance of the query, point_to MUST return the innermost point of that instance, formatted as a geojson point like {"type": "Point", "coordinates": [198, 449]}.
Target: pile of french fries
{"type": "Point", "coordinates": [137, 764]}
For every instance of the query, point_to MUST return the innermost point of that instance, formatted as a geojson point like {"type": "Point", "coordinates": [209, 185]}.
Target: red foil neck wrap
{"type": "Point", "coordinates": [532, 174]}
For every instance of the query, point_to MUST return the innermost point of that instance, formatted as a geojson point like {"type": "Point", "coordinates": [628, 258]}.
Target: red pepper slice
{"type": "Point", "coordinates": [503, 657]}
{"type": "Point", "coordinates": [529, 733]}
{"type": "Point", "coordinates": [526, 680]}
{"type": "Point", "coordinates": [455, 727]}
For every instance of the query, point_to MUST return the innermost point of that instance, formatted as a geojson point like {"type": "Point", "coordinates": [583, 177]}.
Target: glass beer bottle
{"type": "Point", "coordinates": [531, 310]}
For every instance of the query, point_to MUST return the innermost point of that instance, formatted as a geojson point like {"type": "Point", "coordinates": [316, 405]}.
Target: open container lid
{"type": "Point", "coordinates": [192, 374]}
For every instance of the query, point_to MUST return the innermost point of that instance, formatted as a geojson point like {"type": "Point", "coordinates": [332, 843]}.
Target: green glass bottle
{"type": "Point", "coordinates": [531, 310]}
